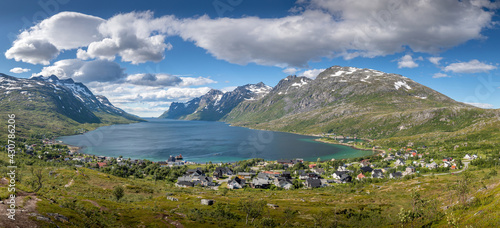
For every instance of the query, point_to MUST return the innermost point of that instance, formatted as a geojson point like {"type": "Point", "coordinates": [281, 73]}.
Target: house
{"type": "Point", "coordinates": [221, 171]}
{"type": "Point", "coordinates": [448, 159]}
{"type": "Point", "coordinates": [345, 178]}
{"type": "Point", "coordinates": [319, 171]}
{"type": "Point", "coordinates": [102, 164]}
{"type": "Point", "coordinates": [236, 183]}
{"type": "Point", "coordinates": [338, 174]}
{"type": "Point", "coordinates": [410, 169]}
{"type": "Point", "coordinates": [184, 184]}
{"type": "Point", "coordinates": [389, 158]}
{"type": "Point", "coordinates": [399, 162]}
{"type": "Point", "coordinates": [246, 175]}
{"type": "Point", "coordinates": [377, 173]}
{"type": "Point", "coordinates": [312, 166]}
{"type": "Point", "coordinates": [467, 156]}
{"type": "Point", "coordinates": [432, 165]}
{"type": "Point", "coordinates": [271, 173]}
{"type": "Point", "coordinates": [283, 183]}
{"type": "Point", "coordinates": [366, 169]}
{"type": "Point", "coordinates": [286, 174]}
{"type": "Point", "coordinates": [396, 175]}
{"type": "Point", "coordinates": [313, 183]}
{"type": "Point", "coordinates": [342, 168]}
{"type": "Point", "coordinates": [360, 176]}
{"type": "Point", "coordinates": [171, 159]}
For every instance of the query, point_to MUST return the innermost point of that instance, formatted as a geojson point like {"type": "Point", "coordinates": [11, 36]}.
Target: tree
{"type": "Point", "coordinates": [118, 192]}
{"type": "Point", "coordinates": [39, 178]}
{"type": "Point", "coordinates": [463, 186]}
{"type": "Point", "coordinates": [252, 209]}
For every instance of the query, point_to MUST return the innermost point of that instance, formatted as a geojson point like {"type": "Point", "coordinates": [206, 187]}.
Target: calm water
{"type": "Point", "coordinates": [203, 141]}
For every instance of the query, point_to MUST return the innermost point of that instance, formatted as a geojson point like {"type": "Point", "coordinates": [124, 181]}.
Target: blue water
{"type": "Point", "coordinates": [203, 141]}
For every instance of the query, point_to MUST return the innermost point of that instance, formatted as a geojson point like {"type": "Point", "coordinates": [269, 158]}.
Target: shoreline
{"type": "Point", "coordinates": [352, 146]}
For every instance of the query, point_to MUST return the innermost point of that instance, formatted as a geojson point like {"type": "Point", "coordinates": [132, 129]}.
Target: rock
{"type": "Point", "coordinates": [207, 202]}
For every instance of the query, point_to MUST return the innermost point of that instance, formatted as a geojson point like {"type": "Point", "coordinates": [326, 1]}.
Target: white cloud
{"type": "Point", "coordinates": [440, 75]}
{"type": "Point", "coordinates": [334, 28]}
{"type": "Point", "coordinates": [314, 29]}
{"type": "Point", "coordinates": [192, 81]}
{"type": "Point", "coordinates": [63, 31]}
{"type": "Point", "coordinates": [408, 62]}
{"type": "Point", "coordinates": [290, 70]}
{"type": "Point", "coordinates": [480, 105]}
{"type": "Point", "coordinates": [313, 73]}
{"type": "Point", "coordinates": [228, 89]}
{"type": "Point", "coordinates": [473, 66]}
{"type": "Point", "coordinates": [435, 60]}
{"type": "Point", "coordinates": [19, 70]}
{"type": "Point", "coordinates": [135, 37]}
{"type": "Point", "coordinates": [85, 71]}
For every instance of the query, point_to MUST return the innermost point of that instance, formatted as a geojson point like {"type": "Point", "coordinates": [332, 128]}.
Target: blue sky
{"type": "Point", "coordinates": [143, 56]}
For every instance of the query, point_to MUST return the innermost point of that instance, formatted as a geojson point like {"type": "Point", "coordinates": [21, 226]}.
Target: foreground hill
{"type": "Point", "coordinates": [50, 106]}
{"type": "Point", "coordinates": [346, 101]}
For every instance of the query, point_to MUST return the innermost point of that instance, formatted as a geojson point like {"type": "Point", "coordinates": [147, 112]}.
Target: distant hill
{"type": "Point", "coordinates": [347, 101]}
{"type": "Point", "coordinates": [48, 105]}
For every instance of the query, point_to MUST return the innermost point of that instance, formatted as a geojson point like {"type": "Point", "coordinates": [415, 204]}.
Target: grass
{"type": "Point", "coordinates": [89, 201]}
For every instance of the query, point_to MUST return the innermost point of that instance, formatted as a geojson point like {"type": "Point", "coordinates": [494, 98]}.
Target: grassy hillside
{"type": "Point", "coordinates": [85, 197]}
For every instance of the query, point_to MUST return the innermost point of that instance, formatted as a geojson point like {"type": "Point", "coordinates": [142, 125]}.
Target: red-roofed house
{"type": "Point", "coordinates": [102, 164]}
{"type": "Point", "coordinates": [360, 176]}
{"type": "Point", "coordinates": [312, 166]}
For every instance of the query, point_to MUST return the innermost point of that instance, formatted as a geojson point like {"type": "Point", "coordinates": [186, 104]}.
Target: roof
{"type": "Point", "coordinates": [313, 182]}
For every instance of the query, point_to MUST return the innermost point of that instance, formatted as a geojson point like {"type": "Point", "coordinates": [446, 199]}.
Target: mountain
{"type": "Point", "coordinates": [215, 104]}
{"type": "Point", "coordinates": [51, 105]}
{"type": "Point", "coordinates": [356, 102]}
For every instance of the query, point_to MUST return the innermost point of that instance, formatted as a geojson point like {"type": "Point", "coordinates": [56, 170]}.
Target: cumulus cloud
{"type": "Point", "coordinates": [19, 70]}
{"type": "Point", "coordinates": [407, 61]}
{"type": "Point", "coordinates": [314, 29]}
{"type": "Point", "coordinates": [335, 28]}
{"type": "Point", "coordinates": [153, 79]}
{"type": "Point", "coordinates": [63, 31]}
{"type": "Point", "coordinates": [85, 71]}
{"type": "Point", "coordinates": [195, 81]}
{"type": "Point", "coordinates": [135, 37]}
{"type": "Point", "coordinates": [312, 73]}
{"type": "Point", "coordinates": [480, 105]}
{"type": "Point", "coordinates": [435, 60]}
{"type": "Point", "coordinates": [440, 75]}
{"type": "Point", "coordinates": [473, 66]}
{"type": "Point", "coordinates": [290, 70]}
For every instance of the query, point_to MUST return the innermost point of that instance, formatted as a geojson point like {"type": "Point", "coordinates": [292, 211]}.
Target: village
{"type": "Point", "coordinates": [280, 174]}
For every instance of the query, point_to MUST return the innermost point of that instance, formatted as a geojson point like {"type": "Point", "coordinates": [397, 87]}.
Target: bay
{"type": "Point", "coordinates": [203, 141]}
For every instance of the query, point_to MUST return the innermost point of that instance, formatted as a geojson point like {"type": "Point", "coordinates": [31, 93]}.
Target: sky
{"type": "Point", "coordinates": [144, 55]}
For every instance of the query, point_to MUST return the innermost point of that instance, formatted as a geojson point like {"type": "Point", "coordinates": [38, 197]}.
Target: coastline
{"type": "Point", "coordinates": [352, 146]}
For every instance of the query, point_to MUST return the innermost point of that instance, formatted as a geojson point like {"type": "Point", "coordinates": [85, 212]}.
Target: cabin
{"type": "Point", "coordinates": [313, 183]}
{"type": "Point", "coordinates": [399, 162]}
{"type": "Point", "coordinates": [396, 175]}
{"type": "Point", "coordinates": [236, 183]}
{"type": "Point", "coordinates": [377, 173]}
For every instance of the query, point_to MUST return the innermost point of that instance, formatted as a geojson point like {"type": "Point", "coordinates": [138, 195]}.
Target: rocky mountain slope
{"type": "Point", "coordinates": [50, 105]}
{"type": "Point", "coordinates": [354, 101]}
{"type": "Point", "coordinates": [216, 104]}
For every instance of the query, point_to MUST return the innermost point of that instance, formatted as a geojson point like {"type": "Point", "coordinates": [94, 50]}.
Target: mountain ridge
{"type": "Point", "coordinates": [353, 101]}
{"type": "Point", "coordinates": [53, 106]}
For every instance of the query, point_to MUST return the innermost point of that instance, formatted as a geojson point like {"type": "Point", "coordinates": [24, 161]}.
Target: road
{"type": "Point", "coordinates": [466, 165]}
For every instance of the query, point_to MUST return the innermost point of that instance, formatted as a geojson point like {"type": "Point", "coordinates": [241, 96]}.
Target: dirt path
{"type": "Point", "coordinates": [69, 184]}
